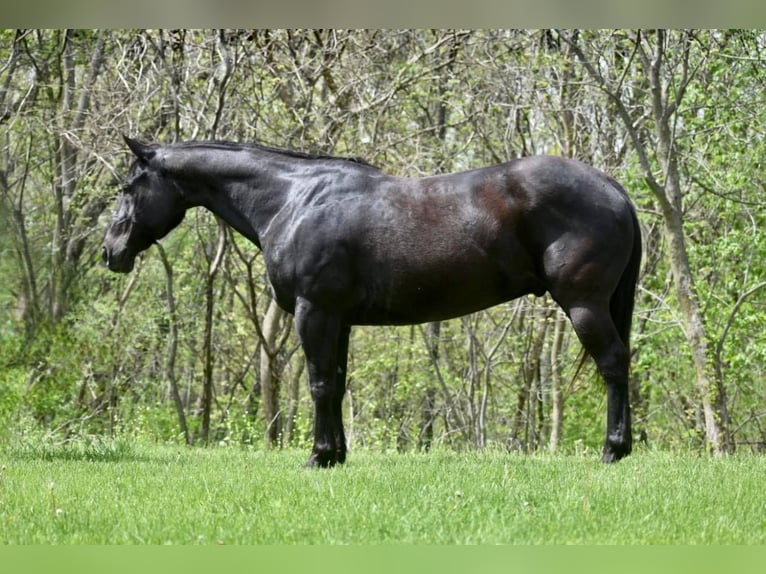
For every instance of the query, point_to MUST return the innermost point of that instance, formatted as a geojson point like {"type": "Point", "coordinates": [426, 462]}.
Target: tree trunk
{"type": "Point", "coordinates": [670, 197]}
{"type": "Point", "coordinates": [270, 374]}
{"type": "Point", "coordinates": [428, 406]}
{"type": "Point", "coordinates": [557, 394]}
{"type": "Point", "coordinates": [299, 365]}
{"type": "Point", "coordinates": [67, 244]}
{"type": "Point", "coordinates": [207, 342]}
{"type": "Point", "coordinates": [711, 393]}
{"type": "Point", "coordinates": [665, 100]}
{"type": "Point", "coordinates": [170, 360]}
{"type": "Point", "coordinates": [538, 329]}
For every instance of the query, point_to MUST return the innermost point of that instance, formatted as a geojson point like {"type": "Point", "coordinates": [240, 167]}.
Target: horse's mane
{"type": "Point", "coordinates": [238, 146]}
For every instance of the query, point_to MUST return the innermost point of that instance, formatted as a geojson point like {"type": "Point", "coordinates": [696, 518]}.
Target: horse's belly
{"type": "Point", "coordinates": [420, 298]}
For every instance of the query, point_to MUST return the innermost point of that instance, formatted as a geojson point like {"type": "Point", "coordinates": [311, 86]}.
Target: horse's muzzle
{"type": "Point", "coordinates": [117, 264]}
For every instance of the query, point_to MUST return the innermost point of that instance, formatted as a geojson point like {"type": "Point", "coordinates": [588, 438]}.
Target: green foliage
{"type": "Point", "coordinates": [86, 353]}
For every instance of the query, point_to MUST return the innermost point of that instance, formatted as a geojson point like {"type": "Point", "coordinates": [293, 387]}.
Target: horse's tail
{"type": "Point", "coordinates": [623, 299]}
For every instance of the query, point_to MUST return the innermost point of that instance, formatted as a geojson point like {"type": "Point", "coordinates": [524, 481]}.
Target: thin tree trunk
{"type": "Point", "coordinates": [668, 194]}
{"type": "Point", "coordinates": [483, 404]}
{"type": "Point", "coordinates": [557, 394]}
{"type": "Point", "coordinates": [532, 369]}
{"type": "Point", "coordinates": [172, 346]}
{"type": "Point", "coordinates": [29, 307]}
{"type": "Point", "coordinates": [299, 364]}
{"type": "Point", "coordinates": [473, 376]}
{"type": "Point", "coordinates": [428, 406]}
{"type": "Point", "coordinates": [65, 255]}
{"type": "Point", "coordinates": [270, 375]}
{"type": "Point", "coordinates": [711, 395]}
{"type": "Point", "coordinates": [207, 343]}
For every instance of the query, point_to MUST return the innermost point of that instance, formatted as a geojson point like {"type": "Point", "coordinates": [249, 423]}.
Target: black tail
{"type": "Point", "coordinates": [623, 298]}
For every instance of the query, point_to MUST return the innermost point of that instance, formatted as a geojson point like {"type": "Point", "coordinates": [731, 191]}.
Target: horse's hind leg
{"type": "Point", "coordinates": [594, 326]}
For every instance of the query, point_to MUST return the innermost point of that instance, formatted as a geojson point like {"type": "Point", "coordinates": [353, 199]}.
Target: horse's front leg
{"type": "Point", "coordinates": [324, 338]}
{"type": "Point", "coordinates": [340, 391]}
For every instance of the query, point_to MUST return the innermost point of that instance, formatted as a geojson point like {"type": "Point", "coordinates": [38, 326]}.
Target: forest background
{"type": "Point", "coordinates": [191, 348]}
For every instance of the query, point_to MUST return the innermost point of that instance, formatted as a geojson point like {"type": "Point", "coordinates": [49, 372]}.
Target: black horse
{"type": "Point", "coordinates": [345, 244]}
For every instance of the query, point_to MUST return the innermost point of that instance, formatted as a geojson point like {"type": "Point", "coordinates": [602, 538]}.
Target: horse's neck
{"type": "Point", "coordinates": [247, 203]}
{"type": "Point", "coordinates": [247, 209]}
{"type": "Point", "coordinates": [245, 188]}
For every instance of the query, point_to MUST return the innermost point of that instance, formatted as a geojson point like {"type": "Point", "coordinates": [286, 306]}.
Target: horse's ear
{"type": "Point", "coordinates": [142, 151]}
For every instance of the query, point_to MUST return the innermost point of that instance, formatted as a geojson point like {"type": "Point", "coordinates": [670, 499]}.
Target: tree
{"type": "Point", "coordinates": [49, 85]}
{"type": "Point", "coordinates": [668, 64]}
{"type": "Point", "coordinates": [194, 340]}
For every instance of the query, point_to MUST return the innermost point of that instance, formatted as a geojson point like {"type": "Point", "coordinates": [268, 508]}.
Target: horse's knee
{"type": "Point", "coordinates": [324, 392]}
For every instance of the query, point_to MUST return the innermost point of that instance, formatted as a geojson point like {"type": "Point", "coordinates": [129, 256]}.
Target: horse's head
{"type": "Point", "coordinates": [150, 205]}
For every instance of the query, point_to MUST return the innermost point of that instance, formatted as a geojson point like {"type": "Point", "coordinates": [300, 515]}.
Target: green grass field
{"type": "Point", "coordinates": [122, 493]}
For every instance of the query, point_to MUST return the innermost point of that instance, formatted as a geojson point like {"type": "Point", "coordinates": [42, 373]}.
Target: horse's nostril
{"type": "Point", "coordinates": [105, 255]}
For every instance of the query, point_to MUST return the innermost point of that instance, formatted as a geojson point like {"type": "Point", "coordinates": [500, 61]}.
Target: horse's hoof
{"type": "Point", "coordinates": [321, 460]}
{"type": "Point", "coordinates": [614, 453]}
